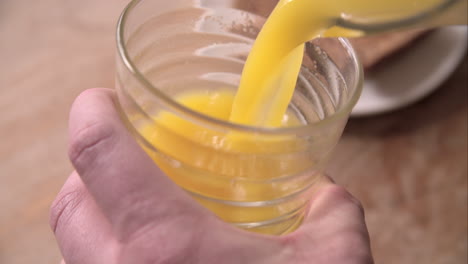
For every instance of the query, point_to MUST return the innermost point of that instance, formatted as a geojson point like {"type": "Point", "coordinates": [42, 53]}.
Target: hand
{"type": "Point", "coordinates": [118, 207]}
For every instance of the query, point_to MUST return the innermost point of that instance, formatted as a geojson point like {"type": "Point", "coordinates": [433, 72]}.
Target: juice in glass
{"type": "Point", "coordinates": [244, 127]}
{"type": "Point", "coordinates": [178, 74]}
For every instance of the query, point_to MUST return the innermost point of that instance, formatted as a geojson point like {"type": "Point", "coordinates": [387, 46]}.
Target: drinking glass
{"type": "Point", "coordinates": [170, 48]}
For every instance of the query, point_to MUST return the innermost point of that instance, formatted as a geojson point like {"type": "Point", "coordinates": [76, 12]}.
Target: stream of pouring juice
{"type": "Point", "coordinates": [270, 73]}
{"type": "Point", "coordinates": [204, 160]}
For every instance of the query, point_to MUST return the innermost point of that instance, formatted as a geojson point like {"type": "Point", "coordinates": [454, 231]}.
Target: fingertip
{"type": "Point", "coordinates": [91, 94]}
{"type": "Point", "coordinates": [93, 120]}
{"type": "Point", "coordinates": [330, 196]}
{"type": "Point", "coordinates": [87, 105]}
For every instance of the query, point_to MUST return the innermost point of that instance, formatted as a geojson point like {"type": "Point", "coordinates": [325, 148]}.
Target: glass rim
{"type": "Point", "coordinates": [184, 111]}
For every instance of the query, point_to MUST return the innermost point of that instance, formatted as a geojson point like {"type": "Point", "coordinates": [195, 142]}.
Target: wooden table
{"type": "Point", "coordinates": [409, 167]}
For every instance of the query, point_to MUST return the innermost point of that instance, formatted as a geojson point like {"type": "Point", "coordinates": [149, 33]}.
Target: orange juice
{"type": "Point", "coordinates": [218, 165]}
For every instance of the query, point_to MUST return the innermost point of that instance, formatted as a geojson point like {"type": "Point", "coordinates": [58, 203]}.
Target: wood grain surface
{"type": "Point", "coordinates": [409, 167]}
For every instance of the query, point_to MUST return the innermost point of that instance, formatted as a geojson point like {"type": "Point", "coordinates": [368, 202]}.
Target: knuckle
{"type": "Point", "coordinates": [64, 207]}
{"type": "Point", "coordinates": [346, 198]}
{"type": "Point", "coordinates": [88, 142]}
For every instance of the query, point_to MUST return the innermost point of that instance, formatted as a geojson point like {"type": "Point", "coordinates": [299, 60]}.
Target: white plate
{"type": "Point", "coordinates": [413, 75]}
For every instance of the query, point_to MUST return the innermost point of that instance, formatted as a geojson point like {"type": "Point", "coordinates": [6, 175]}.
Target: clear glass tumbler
{"type": "Point", "coordinates": [169, 48]}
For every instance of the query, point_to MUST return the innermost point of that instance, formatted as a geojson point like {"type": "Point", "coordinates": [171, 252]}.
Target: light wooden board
{"type": "Point", "coordinates": [409, 167]}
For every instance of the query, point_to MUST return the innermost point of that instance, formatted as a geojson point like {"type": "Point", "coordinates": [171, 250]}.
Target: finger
{"type": "Point", "coordinates": [83, 234]}
{"type": "Point", "coordinates": [124, 181]}
{"type": "Point", "coordinates": [331, 199]}
{"type": "Point", "coordinates": [336, 222]}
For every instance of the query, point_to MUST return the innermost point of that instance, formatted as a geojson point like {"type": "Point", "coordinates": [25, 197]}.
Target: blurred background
{"type": "Point", "coordinates": [408, 166]}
